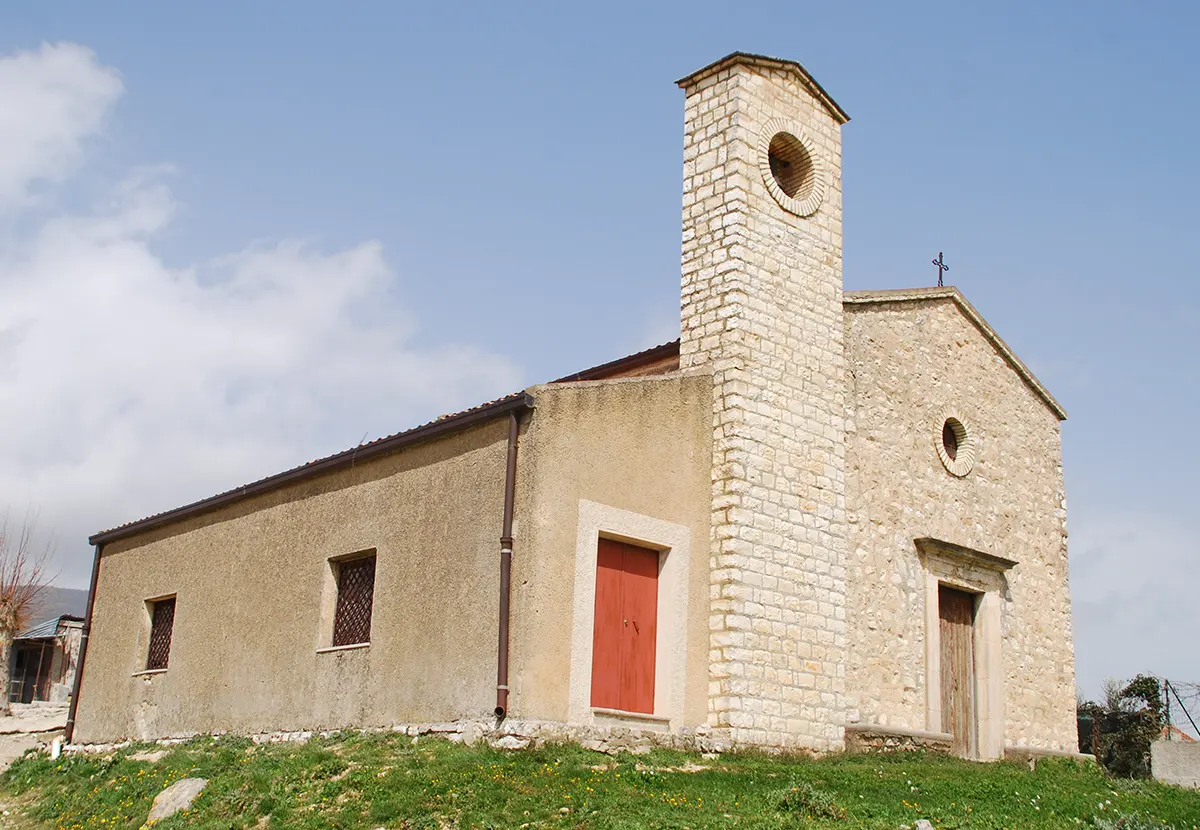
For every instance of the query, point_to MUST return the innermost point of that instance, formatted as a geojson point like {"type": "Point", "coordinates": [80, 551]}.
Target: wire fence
{"type": "Point", "coordinates": [1181, 709]}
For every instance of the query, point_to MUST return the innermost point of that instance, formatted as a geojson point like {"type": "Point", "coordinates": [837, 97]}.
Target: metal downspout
{"type": "Point", "coordinates": [69, 731]}
{"type": "Point", "coordinates": [506, 546]}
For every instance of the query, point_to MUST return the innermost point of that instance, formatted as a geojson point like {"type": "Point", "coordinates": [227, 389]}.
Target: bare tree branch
{"type": "Point", "coordinates": [23, 578]}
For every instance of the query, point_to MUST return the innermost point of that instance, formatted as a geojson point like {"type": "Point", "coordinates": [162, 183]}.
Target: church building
{"type": "Point", "coordinates": [820, 519]}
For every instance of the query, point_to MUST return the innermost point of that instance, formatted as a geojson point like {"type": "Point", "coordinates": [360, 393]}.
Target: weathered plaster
{"type": "Point", "coordinates": [673, 541]}
{"type": "Point", "coordinates": [627, 457]}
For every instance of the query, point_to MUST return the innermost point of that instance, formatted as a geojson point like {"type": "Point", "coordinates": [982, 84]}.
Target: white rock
{"type": "Point", "coordinates": [471, 733]}
{"type": "Point", "coordinates": [510, 742]}
{"type": "Point", "coordinates": [151, 757]}
{"type": "Point", "coordinates": [178, 796]}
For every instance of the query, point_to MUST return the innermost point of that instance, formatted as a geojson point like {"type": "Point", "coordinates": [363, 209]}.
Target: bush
{"type": "Point", "coordinates": [1119, 731]}
{"type": "Point", "coordinates": [803, 799]}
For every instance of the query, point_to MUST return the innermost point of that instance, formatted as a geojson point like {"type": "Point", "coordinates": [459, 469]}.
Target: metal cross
{"type": "Point", "coordinates": [942, 268]}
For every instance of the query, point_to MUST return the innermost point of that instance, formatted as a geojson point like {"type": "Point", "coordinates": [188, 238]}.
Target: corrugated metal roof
{"type": "Point", "coordinates": [46, 628]}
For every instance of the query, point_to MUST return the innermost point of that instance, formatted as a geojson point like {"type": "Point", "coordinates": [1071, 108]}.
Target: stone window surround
{"type": "Point", "coordinates": [968, 444]}
{"type": "Point", "coordinates": [673, 541]}
{"type": "Point", "coordinates": [982, 574]}
{"type": "Point", "coordinates": [809, 204]}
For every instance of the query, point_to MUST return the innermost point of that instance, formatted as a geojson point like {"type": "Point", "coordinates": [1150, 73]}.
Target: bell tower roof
{"type": "Point", "coordinates": [749, 59]}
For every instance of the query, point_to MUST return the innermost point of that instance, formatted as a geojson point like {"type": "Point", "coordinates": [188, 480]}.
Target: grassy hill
{"type": "Point", "coordinates": [371, 780]}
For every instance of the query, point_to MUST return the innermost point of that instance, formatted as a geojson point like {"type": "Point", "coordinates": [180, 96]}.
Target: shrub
{"type": "Point", "coordinates": [803, 799]}
{"type": "Point", "coordinates": [1119, 731]}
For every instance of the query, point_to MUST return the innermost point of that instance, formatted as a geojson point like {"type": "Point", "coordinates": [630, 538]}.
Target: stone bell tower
{"type": "Point", "coordinates": [762, 309]}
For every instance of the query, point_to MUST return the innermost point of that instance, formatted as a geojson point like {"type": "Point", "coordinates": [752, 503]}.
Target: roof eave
{"type": "Point", "coordinates": [949, 292]}
{"type": "Point", "coordinates": [517, 402]}
{"type": "Point", "coordinates": [750, 59]}
{"type": "Point", "coordinates": [626, 363]}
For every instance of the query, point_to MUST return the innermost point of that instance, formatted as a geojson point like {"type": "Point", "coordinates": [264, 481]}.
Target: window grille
{"type": "Point", "coordinates": [355, 596]}
{"type": "Point", "coordinates": [162, 622]}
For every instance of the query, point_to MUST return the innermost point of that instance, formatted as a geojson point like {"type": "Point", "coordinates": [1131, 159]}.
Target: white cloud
{"type": "Point", "coordinates": [1135, 583]}
{"type": "Point", "coordinates": [51, 101]}
{"type": "Point", "coordinates": [130, 386]}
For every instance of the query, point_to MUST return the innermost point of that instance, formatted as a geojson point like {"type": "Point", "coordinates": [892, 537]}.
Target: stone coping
{"type": "Point", "coordinates": [767, 62]}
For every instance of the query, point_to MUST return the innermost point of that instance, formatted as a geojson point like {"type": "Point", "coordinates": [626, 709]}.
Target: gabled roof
{"type": "Point", "coordinates": [949, 292]}
{"type": "Point", "coordinates": [748, 59]}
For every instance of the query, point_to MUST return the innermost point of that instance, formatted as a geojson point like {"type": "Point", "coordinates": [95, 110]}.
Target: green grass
{"type": "Point", "coordinates": [367, 781]}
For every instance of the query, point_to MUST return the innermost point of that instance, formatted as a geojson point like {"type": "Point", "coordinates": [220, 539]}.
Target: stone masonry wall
{"type": "Point", "coordinates": [908, 362]}
{"type": "Point", "coordinates": [762, 307]}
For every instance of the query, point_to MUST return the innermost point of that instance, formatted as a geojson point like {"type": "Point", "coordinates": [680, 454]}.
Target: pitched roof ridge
{"type": "Point", "coordinates": [752, 59]}
{"type": "Point", "coordinates": [949, 292]}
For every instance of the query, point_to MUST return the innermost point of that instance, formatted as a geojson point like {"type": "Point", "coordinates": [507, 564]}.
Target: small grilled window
{"type": "Point", "coordinates": [162, 622]}
{"type": "Point", "coordinates": [355, 596]}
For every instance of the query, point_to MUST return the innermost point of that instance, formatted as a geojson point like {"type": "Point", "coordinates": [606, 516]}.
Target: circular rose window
{"type": "Point", "coordinates": [791, 168]}
{"type": "Point", "coordinates": [956, 444]}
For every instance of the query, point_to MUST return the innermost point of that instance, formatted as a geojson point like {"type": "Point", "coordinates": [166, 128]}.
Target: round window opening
{"type": "Point", "coordinates": [956, 445]}
{"type": "Point", "coordinates": [791, 166]}
{"type": "Point", "coordinates": [951, 430]}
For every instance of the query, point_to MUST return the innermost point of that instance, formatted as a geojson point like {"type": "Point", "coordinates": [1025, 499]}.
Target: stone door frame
{"type": "Point", "coordinates": [983, 574]}
{"type": "Point", "coordinates": [673, 543]}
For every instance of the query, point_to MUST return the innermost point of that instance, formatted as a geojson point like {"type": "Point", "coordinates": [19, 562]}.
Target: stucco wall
{"type": "Point", "coordinates": [640, 446]}
{"type": "Point", "coordinates": [1176, 762]}
{"type": "Point", "coordinates": [250, 581]}
{"type": "Point", "coordinates": [907, 362]}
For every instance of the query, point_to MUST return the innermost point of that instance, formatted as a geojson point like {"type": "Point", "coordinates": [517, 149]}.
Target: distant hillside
{"type": "Point", "coordinates": [53, 602]}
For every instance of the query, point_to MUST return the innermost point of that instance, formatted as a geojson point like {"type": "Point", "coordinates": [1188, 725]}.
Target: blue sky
{"type": "Point", "coordinates": [502, 185]}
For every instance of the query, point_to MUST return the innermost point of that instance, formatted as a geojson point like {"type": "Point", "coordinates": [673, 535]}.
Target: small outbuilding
{"type": "Point", "coordinates": [44, 655]}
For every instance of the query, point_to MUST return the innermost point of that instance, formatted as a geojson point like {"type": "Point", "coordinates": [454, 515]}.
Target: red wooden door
{"type": "Point", "coordinates": [626, 627]}
{"type": "Point", "coordinates": [608, 632]}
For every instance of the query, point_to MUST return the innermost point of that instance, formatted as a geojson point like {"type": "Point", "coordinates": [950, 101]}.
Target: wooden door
{"type": "Point", "coordinates": [956, 610]}
{"type": "Point", "coordinates": [626, 627]}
